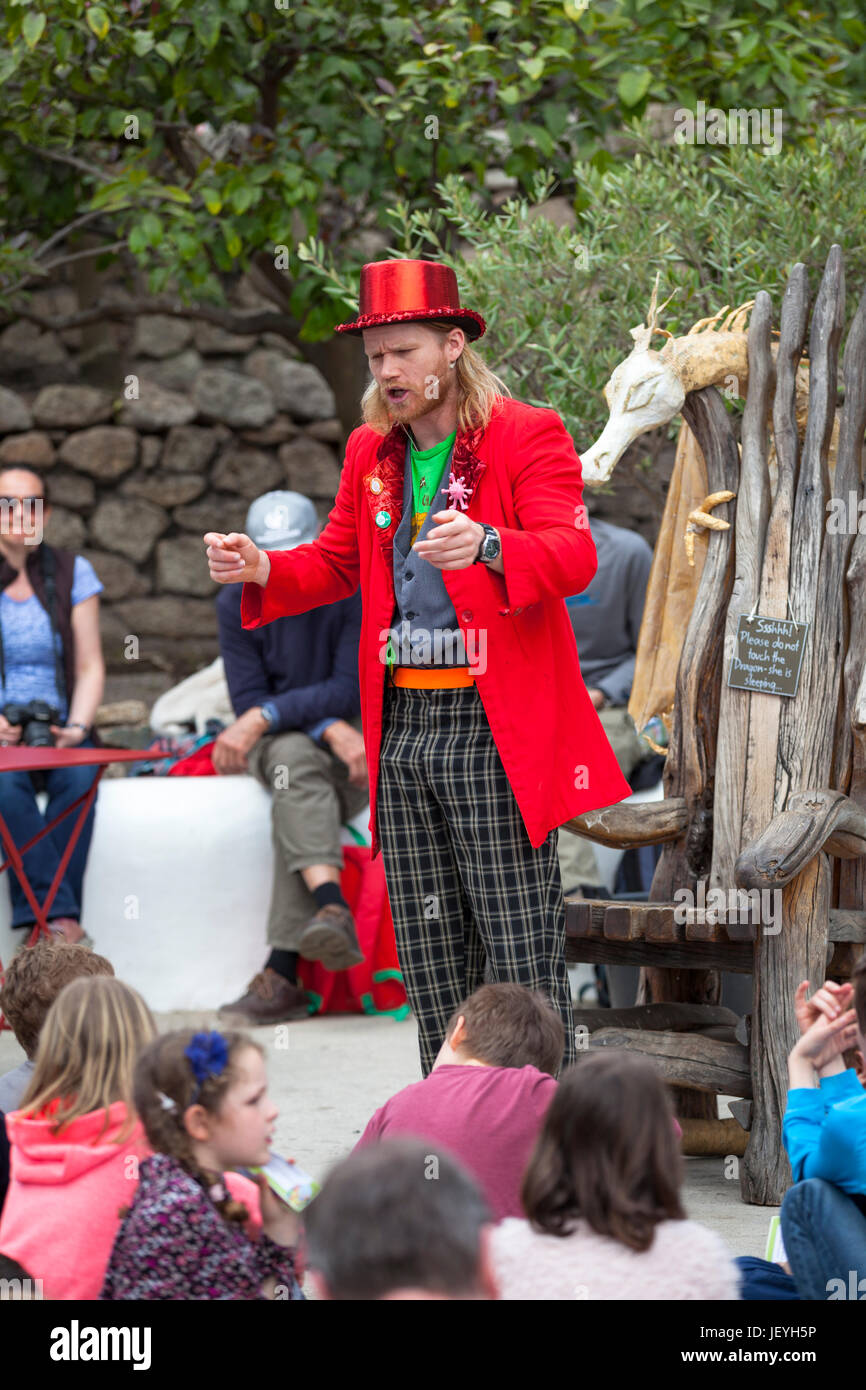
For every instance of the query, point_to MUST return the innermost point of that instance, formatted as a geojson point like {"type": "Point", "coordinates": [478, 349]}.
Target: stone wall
{"type": "Point", "coordinates": [219, 418]}
{"type": "Point", "coordinates": [135, 483]}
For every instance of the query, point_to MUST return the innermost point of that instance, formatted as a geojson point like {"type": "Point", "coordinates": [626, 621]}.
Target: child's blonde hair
{"type": "Point", "coordinates": [166, 1086]}
{"type": "Point", "coordinates": [87, 1051]}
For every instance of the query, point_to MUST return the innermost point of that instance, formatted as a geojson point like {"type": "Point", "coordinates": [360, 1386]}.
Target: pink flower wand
{"type": "Point", "coordinates": [458, 493]}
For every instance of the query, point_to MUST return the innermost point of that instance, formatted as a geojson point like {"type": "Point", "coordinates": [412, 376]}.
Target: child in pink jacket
{"type": "Point", "coordinates": [76, 1142]}
{"type": "Point", "coordinates": [66, 1192]}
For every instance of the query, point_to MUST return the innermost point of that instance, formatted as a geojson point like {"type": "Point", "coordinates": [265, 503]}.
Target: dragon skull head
{"type": "Point", "coordinates": [650, 386]}
{"type": "Point", "coordinates": [643, 392]}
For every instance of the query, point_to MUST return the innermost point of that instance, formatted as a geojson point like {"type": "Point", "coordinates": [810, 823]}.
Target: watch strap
{"type": "Point", "coordinates": [489, 532]}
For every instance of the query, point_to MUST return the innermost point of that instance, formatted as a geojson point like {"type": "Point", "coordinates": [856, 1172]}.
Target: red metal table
{"type": "Point", "coordinates": [27, 759]}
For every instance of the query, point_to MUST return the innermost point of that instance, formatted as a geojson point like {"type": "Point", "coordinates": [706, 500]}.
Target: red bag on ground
{"type": "Point", "coordinates": [195, 764]}
{"type": "Point", "coordinates": [376, 985]}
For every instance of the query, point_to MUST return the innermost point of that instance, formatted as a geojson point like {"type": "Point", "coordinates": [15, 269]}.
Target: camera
{"type": "Point", "coordinates": [35, 719]}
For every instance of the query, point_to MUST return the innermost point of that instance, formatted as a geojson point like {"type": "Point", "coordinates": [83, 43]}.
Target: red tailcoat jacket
{"type": "Point", "coordinates": [520, 474]}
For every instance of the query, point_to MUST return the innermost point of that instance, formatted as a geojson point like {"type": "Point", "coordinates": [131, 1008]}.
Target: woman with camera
{"type": "Point", "coordinates": [52, 677]}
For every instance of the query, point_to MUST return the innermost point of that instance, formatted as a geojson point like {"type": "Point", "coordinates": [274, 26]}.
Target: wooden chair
{"type": "Point", "coordinates": [762, 791]}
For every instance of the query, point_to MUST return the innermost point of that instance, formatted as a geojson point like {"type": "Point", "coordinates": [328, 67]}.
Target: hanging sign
{"type": "Point", "coordinates": [768, 655]}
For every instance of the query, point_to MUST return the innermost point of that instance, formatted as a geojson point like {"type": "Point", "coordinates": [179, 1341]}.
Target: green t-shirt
{"type": "Point", "coordinates": [428, 466]}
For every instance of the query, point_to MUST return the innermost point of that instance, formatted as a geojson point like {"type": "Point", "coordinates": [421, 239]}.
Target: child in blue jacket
{"type": "Point", "coordinates": [824, 1133]}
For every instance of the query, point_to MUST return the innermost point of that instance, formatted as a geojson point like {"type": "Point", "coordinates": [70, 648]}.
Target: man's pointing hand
{"type": "Point", "coordinates": [235, 559]}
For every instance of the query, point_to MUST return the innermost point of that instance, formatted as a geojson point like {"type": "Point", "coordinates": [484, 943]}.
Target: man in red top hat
{"type": "Point", "coordinates": [460, 514]}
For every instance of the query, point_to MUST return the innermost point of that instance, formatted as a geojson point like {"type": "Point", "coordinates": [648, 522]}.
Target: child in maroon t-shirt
{"type": "Point", "coordinates": [488, 1092]}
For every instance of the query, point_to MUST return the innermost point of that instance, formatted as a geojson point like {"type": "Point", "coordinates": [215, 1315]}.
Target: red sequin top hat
{"type": "Point", "coordinates": [403, 291]}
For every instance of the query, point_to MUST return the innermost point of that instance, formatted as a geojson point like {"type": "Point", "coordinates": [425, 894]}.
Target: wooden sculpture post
{"type": "Point", "coordinates": [765, 785]}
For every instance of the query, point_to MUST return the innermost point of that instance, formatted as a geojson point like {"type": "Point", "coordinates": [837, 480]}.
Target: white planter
{"type": "Point", "coordinates": [177, 886]}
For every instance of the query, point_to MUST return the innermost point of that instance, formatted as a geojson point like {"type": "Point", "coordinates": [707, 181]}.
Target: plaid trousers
{"type": "Point", "coordinates": [465, 885]}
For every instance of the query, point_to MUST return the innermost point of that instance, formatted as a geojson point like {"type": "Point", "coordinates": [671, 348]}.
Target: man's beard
{"type": "Point", "coordinates": [417, 404]}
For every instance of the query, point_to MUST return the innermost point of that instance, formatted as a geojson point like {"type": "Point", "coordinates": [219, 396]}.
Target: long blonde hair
{"type": "Point", "coordinates": [87, 1051]}
{"type": "Point", "coordinates": [479, 390]}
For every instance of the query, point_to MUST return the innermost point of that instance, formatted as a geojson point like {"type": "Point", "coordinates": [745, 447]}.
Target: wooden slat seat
{"type": "Point", "coordinates": [600, 919]}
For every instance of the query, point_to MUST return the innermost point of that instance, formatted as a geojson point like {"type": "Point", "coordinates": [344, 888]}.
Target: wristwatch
{"type": "Point", "coordinates": [490, 547]}
{"type": "Point", "coordinates": [269, 714]}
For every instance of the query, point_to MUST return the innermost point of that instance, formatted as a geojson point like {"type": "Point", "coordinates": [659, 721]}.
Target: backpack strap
{"type": "Point", "coordinates": [49, 574]}
{"type": "Point", "coordinates": [2, 661]}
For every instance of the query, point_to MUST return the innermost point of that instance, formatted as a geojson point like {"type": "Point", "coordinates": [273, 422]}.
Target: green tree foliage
{"type": "Point", "coordinates": [324, 116]}
{"type": "Point", "coordinates": [718, 225]}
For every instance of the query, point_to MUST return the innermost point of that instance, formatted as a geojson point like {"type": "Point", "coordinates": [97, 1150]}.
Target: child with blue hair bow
{"type": "Point", "coordinates": [192, 1231]}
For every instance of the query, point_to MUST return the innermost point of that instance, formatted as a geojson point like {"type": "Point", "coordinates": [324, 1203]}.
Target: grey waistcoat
{"type": "Point", "coordinates": [425, 631]}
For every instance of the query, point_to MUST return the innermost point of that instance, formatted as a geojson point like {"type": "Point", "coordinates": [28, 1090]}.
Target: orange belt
{"type": "Point", "coordinates": [443, 678]}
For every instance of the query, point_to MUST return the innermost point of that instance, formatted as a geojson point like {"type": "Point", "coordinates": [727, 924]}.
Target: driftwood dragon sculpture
{"type": "Point", "coordinates": [646, 390]}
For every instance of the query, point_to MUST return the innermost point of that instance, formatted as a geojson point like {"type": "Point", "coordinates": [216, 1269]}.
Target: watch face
{"type": "Point", "coordinates": [491, 547]}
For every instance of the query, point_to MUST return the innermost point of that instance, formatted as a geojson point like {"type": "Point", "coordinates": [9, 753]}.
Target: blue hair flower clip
{"type": "Point", "coordinates": [208, 1056]}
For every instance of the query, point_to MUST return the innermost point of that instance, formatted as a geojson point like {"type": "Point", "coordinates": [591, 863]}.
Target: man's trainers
{"type": "Point", "coordinates": [330, 937]}
{"type": "Point", "coordinates": [270, 998]}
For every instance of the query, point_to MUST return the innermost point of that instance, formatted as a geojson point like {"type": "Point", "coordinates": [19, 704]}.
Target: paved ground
{"type": "Point", "coordinates": [329, 1074]}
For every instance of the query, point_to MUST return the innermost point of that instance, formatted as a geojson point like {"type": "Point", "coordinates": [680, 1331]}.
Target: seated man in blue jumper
{"type": "Point", "coordinates": [294, 688]}
{"type": "Point", "coordinates": [824, 1133]}
{"type": "Point", "coordinates": [606, 621]}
